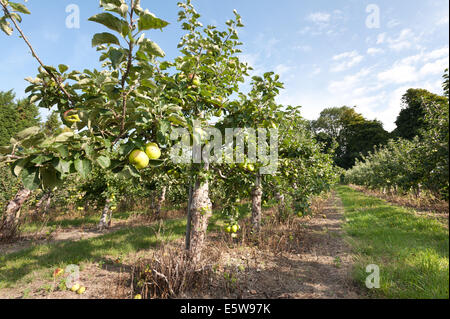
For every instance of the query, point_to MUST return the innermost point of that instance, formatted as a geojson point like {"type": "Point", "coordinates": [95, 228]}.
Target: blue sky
{"type": "Point", "coordinates": [324, 50]}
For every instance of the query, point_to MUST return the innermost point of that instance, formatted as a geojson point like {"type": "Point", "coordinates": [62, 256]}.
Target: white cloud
{"type": "Point", "coordinates": [436, 54]}
{"type": "Point", "coordinates": [319, 17]}
{"type": "Point", "coordinates": [303, 48]}
{"type": "Point", "coordinates": [381, 38]}
{"type": "Point", "coordinates": [435, 68]}
{"type": "Point", "coordinates": [282, 69]}
{"type": "Point", "coordinates": [324, 23]}
{"type": "Point", "coordinates": [349, 82]}
{"type": "Point", "coordinates": [393, 23]}
{"type": "Point", "coordinates": [405, 40]}
{"type": "Point", "coordinates": [399, 74]}
{"type": "Point", "coordinates": [374, 51]}
{"type": "Point", "coordinates": [316, 70]}
{"type": "Point", "coordinates": [442, 21]}
{"type": "Point", "coordinates": [348, 60]}
{"type": "Point", "coordinates": [416, 67]}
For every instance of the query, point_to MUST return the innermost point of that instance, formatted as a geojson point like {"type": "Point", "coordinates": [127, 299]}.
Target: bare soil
{"type": "Point", "coordinates": [319, 267]}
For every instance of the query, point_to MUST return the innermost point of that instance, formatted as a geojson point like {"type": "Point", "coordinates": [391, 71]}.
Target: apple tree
{"type": "Point", "coordinates": [111, 112]}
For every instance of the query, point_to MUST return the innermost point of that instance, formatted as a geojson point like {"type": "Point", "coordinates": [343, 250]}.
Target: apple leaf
{"type": "Point", "coordinates": [109, 21]}
{"type": "Point", "coordinates": [19, 166]}
{"type": "Point", "coordinates": [27, 132]}
{"type": "Point", "coordinates": [83, 167]}
{"type": "Point", "coordinates": [49, 177]}
{"type": "Point", "coordinates": [5, 26]}
{"type": "Point", "coordinates": [116, 57]}
{"type": "Point", "coordinates": [63, 68]}
{"type": "Point", "coordinates": [152, 48]}
{"type": "Point", "coordinates": [155, 163]}
{"type": "Point", "coordinates": [104, 161]}
{"type": "Point", "coordinates": [104, 38]}
{"type": "Point", "coordinates": [149, 21]}
{"type": "Point", "coordinates": [61, 165]}
{"type": "Point", "coordinates": [30, 178]}
{"type": "Point", "coordinates": [19, 7]}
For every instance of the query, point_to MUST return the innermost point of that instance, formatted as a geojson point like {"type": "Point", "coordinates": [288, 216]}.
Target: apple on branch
{"type": "Point", "coordinates": [139, 159]}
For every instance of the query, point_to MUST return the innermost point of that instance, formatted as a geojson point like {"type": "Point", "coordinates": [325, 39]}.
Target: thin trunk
{"type": "Point", "coordinates": [200, 211]}
{"type": "Point", "coordinates": [189, 220]}
{"type": "Point", "coordinates": [161, 199]}
{"type": "Point", "coordinates": [43, 205]}
{"type": "Point", "coordinates": [256, 204]}
{"type": "Point", "coordinates": [281, 205]}
{"type": "Point", "coordinates": [105, 213]}
{"type": "Point", "coordinates": [10, 222]}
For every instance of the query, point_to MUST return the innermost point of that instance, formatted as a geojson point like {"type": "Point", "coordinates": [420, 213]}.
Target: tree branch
{"type": "Point", "coordinates": [33, 52]}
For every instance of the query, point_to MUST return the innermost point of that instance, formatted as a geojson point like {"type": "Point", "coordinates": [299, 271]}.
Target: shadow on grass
{"type": "Point", "coordinates": [16, 266]}
{"type": "Point", "coordinates": [87, 220]}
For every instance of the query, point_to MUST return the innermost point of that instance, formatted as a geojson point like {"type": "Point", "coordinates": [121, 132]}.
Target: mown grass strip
{"type": "Point", "coordinates": [411, 251]}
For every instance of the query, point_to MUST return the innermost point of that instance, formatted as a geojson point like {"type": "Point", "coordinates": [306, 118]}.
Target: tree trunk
{"type": "Point", "coordinates": [161, 199]}
{"type": "Point", "coordinates": [105, 214]}
{"type": "Point", "coordinates": [43, 205]}
{"type": "Point", "coordinates": [10, 222]}
{"type": "Point", "coordinates": [189, 220]}
{"type": "Point", "coordinates": [281, 205]}
{"type": "Point", "coordinates": [200, 211]}
{"type": "Point", "coordinates": [256, 204]}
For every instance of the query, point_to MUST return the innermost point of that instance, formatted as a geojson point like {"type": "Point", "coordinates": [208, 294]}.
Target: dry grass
{"type": "Point", "coordinates": [425, 203]}
{"type": "Point", "coordinates": [247, 266]}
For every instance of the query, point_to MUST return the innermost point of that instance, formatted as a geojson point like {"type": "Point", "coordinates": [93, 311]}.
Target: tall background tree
{"type": "Point", "coordinates": [349, 132]}
{"type": "Point", "coordinates": [411, 119]}
{"type": "Point", "coordinates": [15, 115]}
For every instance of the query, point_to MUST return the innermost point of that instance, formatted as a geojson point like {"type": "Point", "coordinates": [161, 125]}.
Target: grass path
{"type": "Point", "coordinates": [411, 251]}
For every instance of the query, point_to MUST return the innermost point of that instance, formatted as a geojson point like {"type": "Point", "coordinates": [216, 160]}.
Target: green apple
{"type": "Point", "coordinates": [71, 116]}
{"type": "Point", "coordinates": [138, 296]}
{"type": "Point", "coordinates": [251, 167]}
{"type": "Point", "coordinates": [139, 159]}
{"type": "Point", "coordinates": [228, 229]}
{"type": "Point", "coordinates": [74, 118]}
{"type": "Point", "coordinates": [195, 79]}
{"type": "Point", "coordinates": [234, 229]}
{"type": "Point", "coordinates": [152, 150]}
{"type": "Point", "coordinates": [75, 287]}
{"type": "Point", "coordinates": [81, 290]}
{"type": "Point", "coordinates": [58, 271]}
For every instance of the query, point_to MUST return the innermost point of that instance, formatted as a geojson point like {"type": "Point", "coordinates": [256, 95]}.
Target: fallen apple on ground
{"type": "Point", "coordinates": [81, 290]}
{"type": "Point", "coordinates": [75, 287]}
{"type": "Point", "coordinates": [58, 271]}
